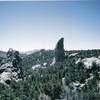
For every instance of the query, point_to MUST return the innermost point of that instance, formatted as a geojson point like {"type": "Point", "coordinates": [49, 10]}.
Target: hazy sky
{"type": "Point", "coordinates": [35, 25]}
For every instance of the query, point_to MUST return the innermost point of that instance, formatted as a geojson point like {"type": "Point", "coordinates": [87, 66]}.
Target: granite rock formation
{"type": "Point", "coordinates": [59, 50]}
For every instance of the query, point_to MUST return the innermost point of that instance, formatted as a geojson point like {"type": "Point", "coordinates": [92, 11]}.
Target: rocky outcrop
{"type": "Point", "coordinates": [59, 50]}
{"type": "Point", "coordinates": [10, 68]}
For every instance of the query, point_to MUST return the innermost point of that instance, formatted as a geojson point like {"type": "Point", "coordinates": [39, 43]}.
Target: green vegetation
{"type": "Point", "coordinates": [48, 81]}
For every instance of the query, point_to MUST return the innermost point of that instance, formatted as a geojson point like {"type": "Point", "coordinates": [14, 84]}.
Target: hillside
{"type": "Point", "coordinates": [51, 75]}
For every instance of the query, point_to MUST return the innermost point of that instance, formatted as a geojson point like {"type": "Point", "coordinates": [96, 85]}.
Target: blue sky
{"type": "Point", "coordinates": [35, 25]}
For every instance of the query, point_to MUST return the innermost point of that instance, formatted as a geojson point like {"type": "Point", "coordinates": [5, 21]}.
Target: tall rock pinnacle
{"type": "Point", "coordinates": [59, 50]}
